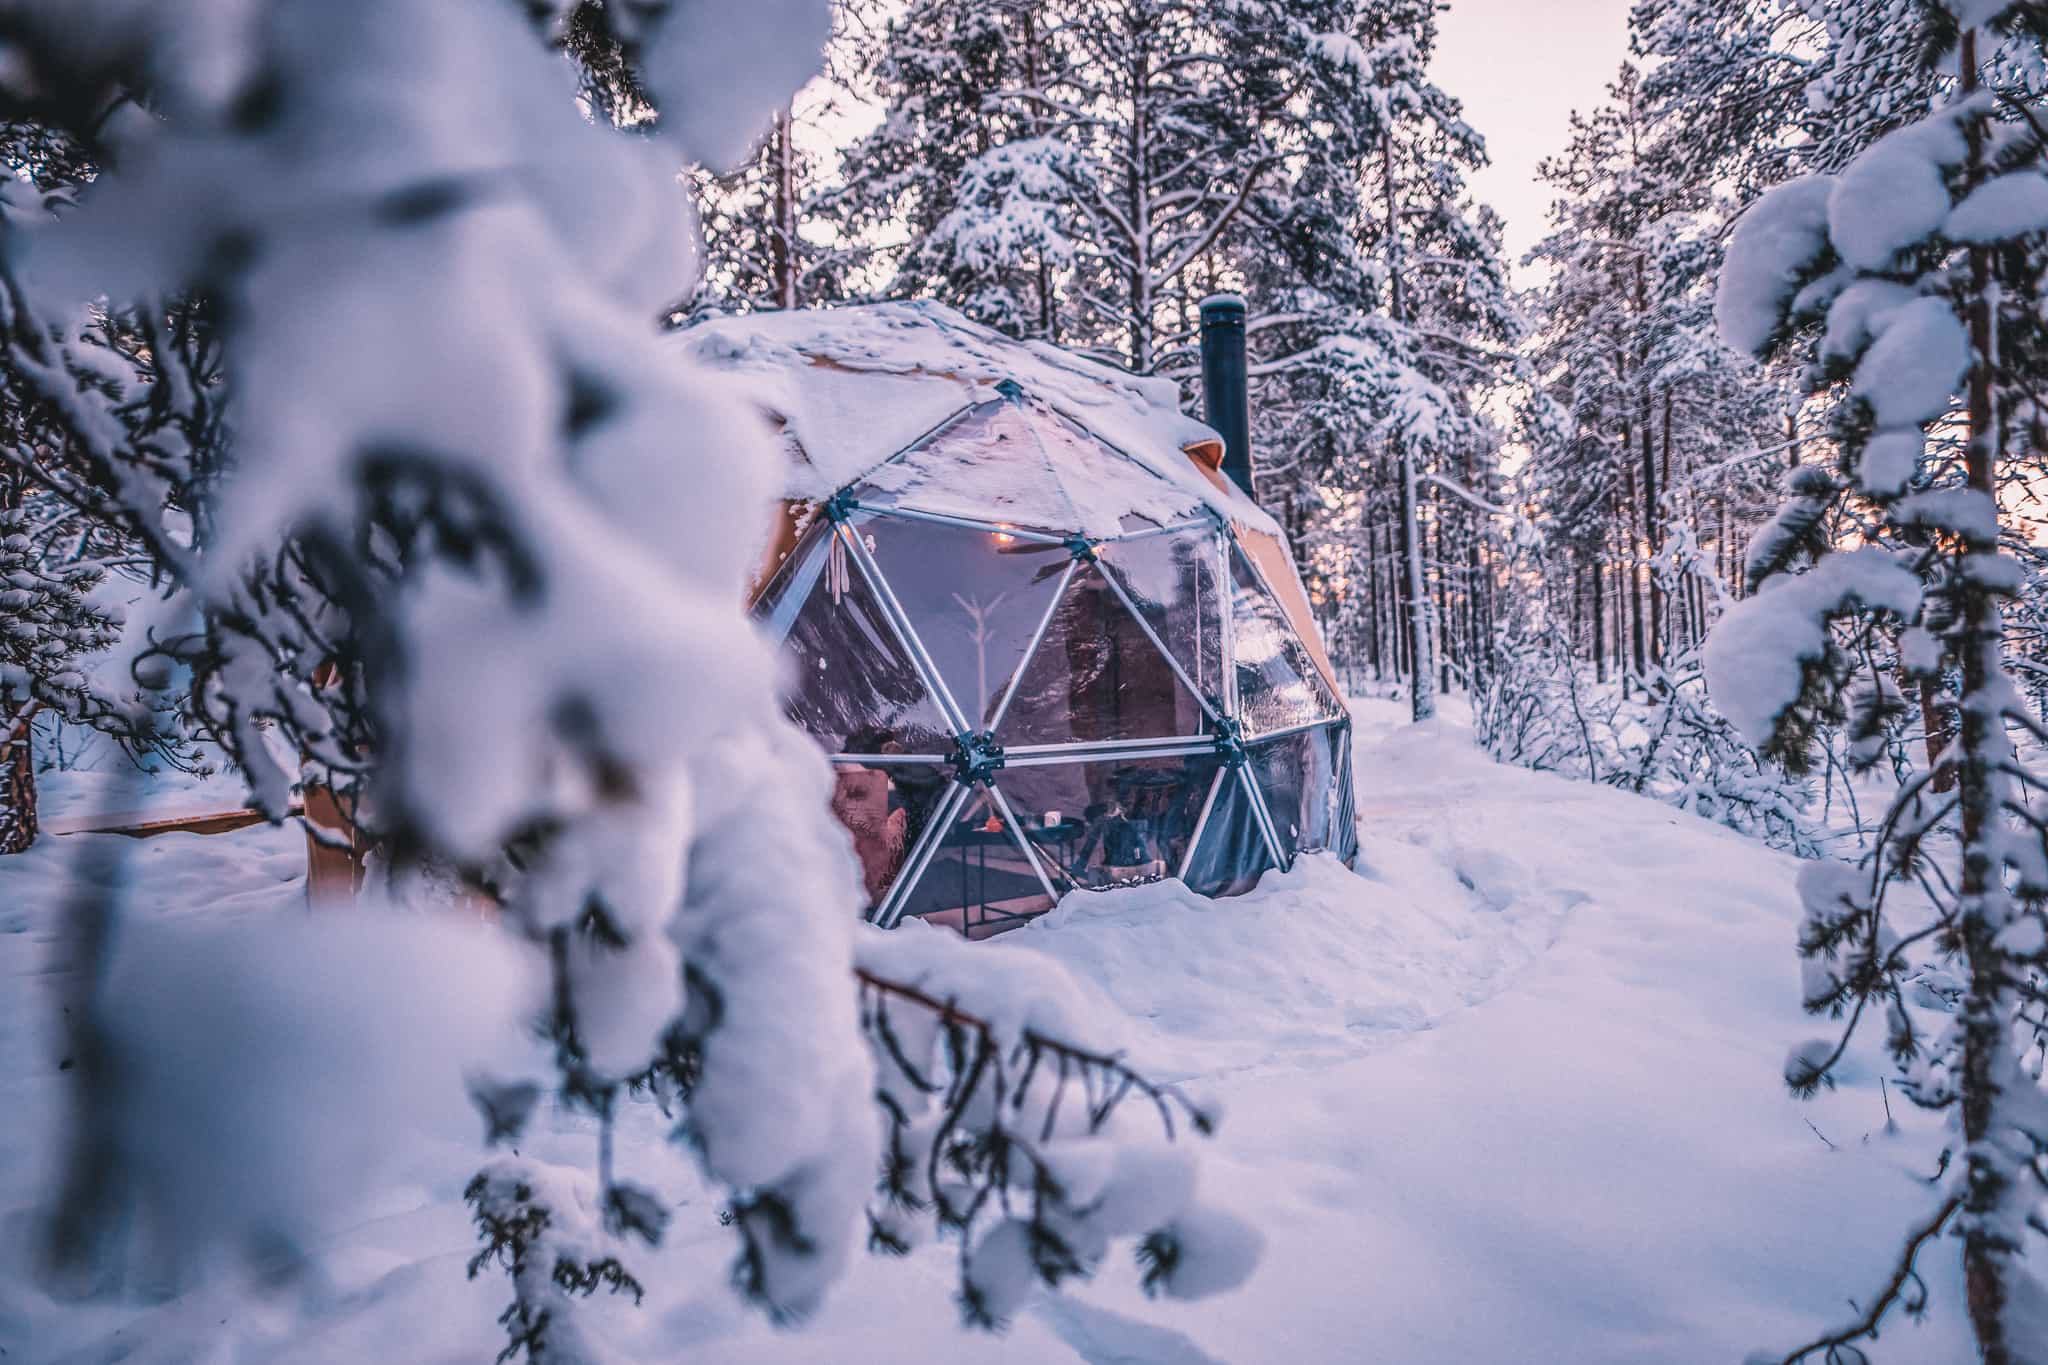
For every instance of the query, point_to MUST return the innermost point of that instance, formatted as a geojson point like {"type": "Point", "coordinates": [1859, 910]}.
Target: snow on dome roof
{"type": "Point", "coordinates": [853, 387]}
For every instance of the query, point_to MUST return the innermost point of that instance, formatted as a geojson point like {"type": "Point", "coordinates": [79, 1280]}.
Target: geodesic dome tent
{"type": "Point", "coordinates": [1047, 644]}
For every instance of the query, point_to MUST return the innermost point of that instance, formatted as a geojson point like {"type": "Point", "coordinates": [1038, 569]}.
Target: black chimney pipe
{"type": "Point", "coordinates": [1226, 405]}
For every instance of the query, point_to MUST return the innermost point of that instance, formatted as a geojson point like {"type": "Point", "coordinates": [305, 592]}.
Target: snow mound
{"type": "Point", "coordinates": [1534, 1046]}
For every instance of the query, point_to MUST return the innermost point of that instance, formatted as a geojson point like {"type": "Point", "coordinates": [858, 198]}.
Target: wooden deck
{"type": "Point", "coordinates": [141, 824]}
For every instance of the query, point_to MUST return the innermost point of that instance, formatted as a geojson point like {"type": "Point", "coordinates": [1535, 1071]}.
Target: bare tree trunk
{"type": "Point", "coordinates": [1578, 608]}
{"type": "Point", "coordinates": [18, 820]}
{"type": "Point", "coordinates": [1475, 646]}
{"type": "Point", "coordinates": [1652, 533]}
{"type": "Point", "coordinates": [1422, 670]}
{"type": "Point", "coordinates": [1048, 327]}
{"type": "Point", "coordinates": [1140, 281]}
{"type": "Point", "coordinates": [1372, 596]}
{"type": "Point", "coordinates": [1397, 578]}
{"type": "Point", "coordinates": [1599, 622]}
{"type": "Point", "coordinates": [1984, 902]}
{"type": "Point", "coordinates": [1443, 636]}
{"type": "Point", "coordinates": [782, 240]}
{"type": "Point", "coordinates": [1631, 532]}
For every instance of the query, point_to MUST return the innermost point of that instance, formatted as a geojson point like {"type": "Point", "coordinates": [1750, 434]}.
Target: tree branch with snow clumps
{"type": "Point", "coordinates": [1929, 276]}
{"type": "Point", "coordinates": [440, 558]}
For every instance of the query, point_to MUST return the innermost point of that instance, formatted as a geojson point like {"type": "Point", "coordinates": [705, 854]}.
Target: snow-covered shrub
{"type": "Point", "coordinates": [1543, 708]}
{"type": "Point", "coordinates": [1034, 1153]}
{"type": "Point", "coordinates": [539, 1223]}
{"type": "Point", "coordinates": [74, 389]}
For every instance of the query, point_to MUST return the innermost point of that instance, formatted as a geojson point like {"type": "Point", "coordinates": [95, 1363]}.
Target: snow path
{"type": "Point", "coordinates": [1510, 1095]}
{"type": "Point", "coordinates": [1598, 1163]}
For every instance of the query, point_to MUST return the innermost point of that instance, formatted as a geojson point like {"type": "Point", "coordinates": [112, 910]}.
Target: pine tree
{"type": "Point", "coordinates": [1085, 172]}
{"type": "Point", "coordinates": [1925, 258]}
{"type": "Point", "coordinates": [1768, 89]}
{"type": "Point", "coordinates": [50, 627]}
{"type": "Point", "coordinates": [1629, 358]}
{"type": "Point", "coordinates": [773, 232]}
{"type": "Point", "coordinates": [766, 244]}
{"type": "Point", "coordinates": [68, 392]}
{"type": "Point", "coordinates": [956, 80]}
{"type": "Point", "coordinates": [1399, 325]}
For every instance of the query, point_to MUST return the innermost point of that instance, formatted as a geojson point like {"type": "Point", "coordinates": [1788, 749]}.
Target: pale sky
{"type": "Point", "coordinates": [1521, 67]}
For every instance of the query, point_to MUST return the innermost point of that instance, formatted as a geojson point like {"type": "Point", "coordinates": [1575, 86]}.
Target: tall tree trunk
{"type": "Point", "coordinates": [1652, 533]}
{"type": "Point", "coordinates": [1578, 609]}
{"type": "Point", "coordinates": [1397, 579]}
{"type": "Point", "coordinates": [1034, 123]}
{"type": "Point", "coordinates": [1140, 280]}
{"type": "Point", "coordinates": [1984, 903]}
{"type": "Point", "coordinates": [1372, 596]}
{"type": "Point", "coordinates": [18, 818]}
{"type": "Point", "coordinates": [1422, 664]}
{"type": "Point", "coordinates": [1443, 633]}
{"type": "Point", "coordinates": [1599, 621]}
{"type": "Point", "coordinates": [782, 240]}
{"type": "Point", "coordinates": [1422, 667]}
{"type": "Point", "coordinates": [1631, 533]}
{"type": "Point", "coordinates": [1475, 647]}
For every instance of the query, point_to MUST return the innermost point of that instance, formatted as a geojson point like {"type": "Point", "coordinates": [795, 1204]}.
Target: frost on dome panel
{"type": "Point", "coordinates": [974, 598]}
{"type": "Point", "coordinates": [1278, 684]}
{"type": "Point", "coordinates": [851, 685]}
{"type": "Point", "coordinates": [1097, 676]}
{"type": "Point", "coordinates": [1022, 464]}
{"type": "Point", "coordinates": [1110, 493]}
{"type": "Point", "coordinates": [986, 464]}
{"type": "Point", "coordinates": [980, 881]}
{"type": "Point", "coordinates": [1344, 801]}
{"type": "Point", "coordinates": [1113, 822]}
{"type": "Point", "coordinates": [1172, 580]}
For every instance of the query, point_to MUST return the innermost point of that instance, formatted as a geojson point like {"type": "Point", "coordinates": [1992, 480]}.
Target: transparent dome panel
{"type": "Point", "coordinates": [974, 598]}
{"type": "Point", "coordinates": [851, 685]}
{"type": "Point", "coordinates": [1173, 581]}
{"type": "Point", "coordinates": [1278, 685]}
{"type": "Point", "coordinates": [987, 464]}
{"type": "Point", "coordinates": [981, 879]}
{"type": "Point", "coordinates": [1344, 834]}
{"type": "Point", "coordinates": [775, 607]}
{"type": "Point", "coordinates": [1298, 775]}
{"type": "Point", "coordinates": [1111, 822]}
{"type": "Point", "coordinates": [1097, 676]}
{"type": "Point", "coordinates": [885, 808]}
{"type": "Point", "coordinates": [1107, 491]}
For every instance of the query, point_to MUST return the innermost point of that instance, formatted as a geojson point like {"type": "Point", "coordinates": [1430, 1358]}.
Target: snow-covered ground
{"type": "Point", "coordinates": [1510, 1094]}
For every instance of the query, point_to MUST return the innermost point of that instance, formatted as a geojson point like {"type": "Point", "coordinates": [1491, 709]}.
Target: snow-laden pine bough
{"type": "Point", "coordinates": [1034, 1154]}
{"type": "Point", "coordinates": [1914, 279]}
{"type": "Point", "coordinates": [437, 567]}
